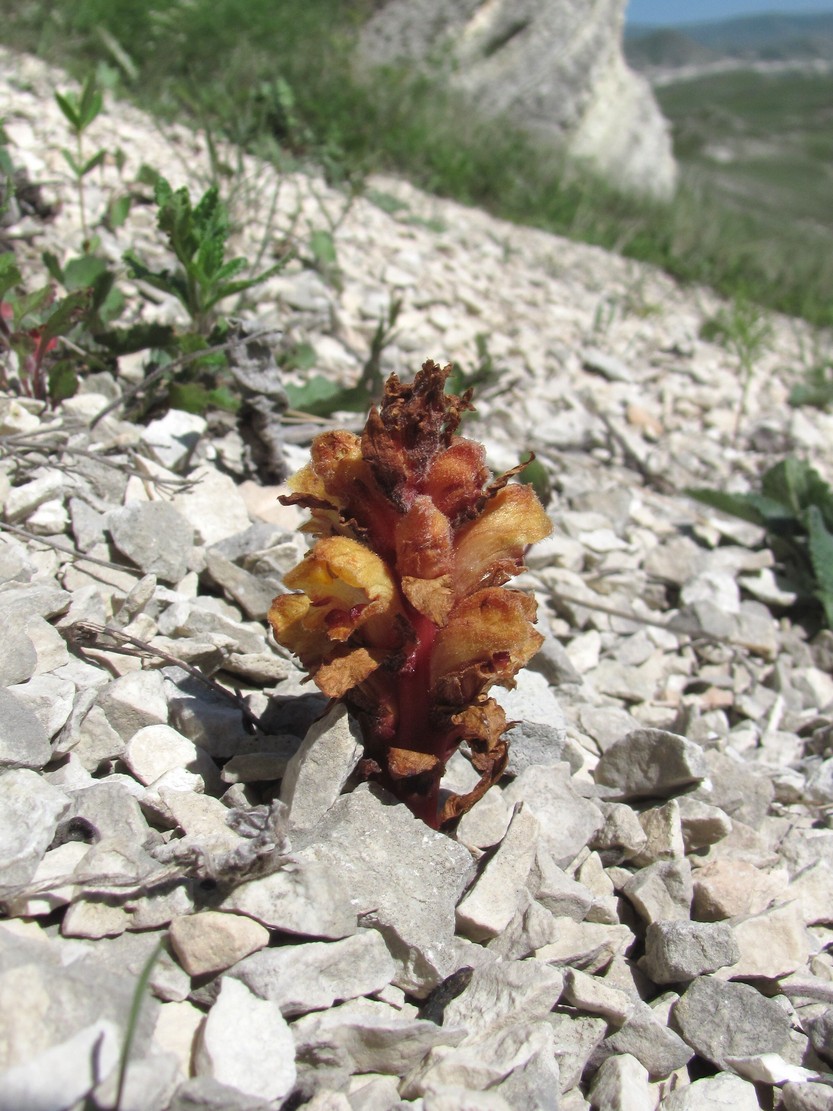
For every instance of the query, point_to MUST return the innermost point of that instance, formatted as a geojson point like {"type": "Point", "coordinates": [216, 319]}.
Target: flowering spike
{"type": "Point", "coordinates": [402, 612]}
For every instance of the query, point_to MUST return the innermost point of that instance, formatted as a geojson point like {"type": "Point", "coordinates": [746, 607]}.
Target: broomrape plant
{"type": "Point", "coordinates": [402, 610]}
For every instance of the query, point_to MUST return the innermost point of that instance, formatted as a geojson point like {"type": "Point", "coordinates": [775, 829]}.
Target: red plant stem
{"type": "Point", "coordinates": [415, 730]}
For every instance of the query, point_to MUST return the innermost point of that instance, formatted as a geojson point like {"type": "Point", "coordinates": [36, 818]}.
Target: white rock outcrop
{"type": "Point", "coordinates": [554, 66]}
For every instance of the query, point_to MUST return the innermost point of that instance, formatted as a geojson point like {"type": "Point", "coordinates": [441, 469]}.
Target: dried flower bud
{"type": "Point", "coordinates": [402, 612]}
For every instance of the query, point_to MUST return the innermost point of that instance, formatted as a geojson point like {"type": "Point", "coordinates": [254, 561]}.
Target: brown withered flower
{"type": "Point", "coordinates": [402, 611]}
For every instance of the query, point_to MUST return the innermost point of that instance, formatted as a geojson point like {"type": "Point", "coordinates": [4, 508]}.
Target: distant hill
{"type": "Point", "coordinates": [770, 37]}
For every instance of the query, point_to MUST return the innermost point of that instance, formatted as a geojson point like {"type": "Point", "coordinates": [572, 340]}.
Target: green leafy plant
{"type": "Point", "coordinates": [80, 111]}
{"type": "Point", "coordinates": [795, 507]}
{"type": "Point", "coordinates": [197, 235]}
{"type": "Point", "coordinates": [744, 330]}
{"type": "Point", "coordinates": [817, 387]}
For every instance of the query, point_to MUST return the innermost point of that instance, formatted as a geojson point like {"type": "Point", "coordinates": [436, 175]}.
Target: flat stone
{"type": "Point", "coordinates": [64, 1073]}
{"type": "Point", "coordinates": [189, 619]}
{"type": "Point", "coordinates": [18, 658]}
{"type": "Point", "coordinates": [725, 1090]}
{"type": "Point", "coordinates": [657, 1047]}
{"type": "Point", "coordinates": [212, 941]}
{"type": "Point", "coordinates": [481, 1062]}
{"type": "Point", "coordinates": [742, 791]}
{"type": "Point", "coordinates": [306, 897]}
{"type": "Point", "coordinates": [558, 892]}
{"type": "Point", "coordinates": [576, 1037]}
{"type": "Point", "coordinates": [172, 438]}
{"type": "Point", "coordinates": [23, 739]}
{"type": "Point", "coordinates": [663, 834]}
{"type": "Point", "coordinates": [316, 773]}
{"type": "Point", "coordinates": [204, 1093]}
{"type": "Point", "coordinates": [486, 823]}
{"type": "Point", "coordinates": [729, 888]}
{"type": "Point", "coordinates": [679, 951]}
{"type": "Point", "coordinates": [49, 698]}
{"type": "Point", "coordinates": [533, 743]}
{"type": "Point", "coordinates": [44, 1002]}
{"type": "Point", "coordinates": [567, 820]}
{"type": "Point", "coordinates": [154, 536]}
{"type": "Point", "coordinates": [367, 1036]}
{"type": "Point", "coordinates": [176, 1030]}
{"type": "Point", "coordinates": [213, 506]}
{"type": "Point", "coordinates": [702, 823]}
{"type": "Point", "coordinates": [314, 976]}
{"type": "Point", "coordinates": [590, 946]}
{"type": "Point", "coordinates": [531, 700]}
{"type": "Point", "coordinates": [503, 993]}
{"type": "Point", "coordinates": [154, 750]}
{"type": "Point", "coordinates": [252, 594]}
{"type": "Point", "coordinates": [488, 907]}
{"type": "Point", "coordinates": [591, 994]}
{"type": "Point", "coordinates": [771, 944]}
{"type": "Point", "coordinates": [661, 891]}
{"type": "Point", "coordinates": [23, 500]}
{"type": "Point", "coordinates": [134, 701]}
{"type": "Point", "coordinates": [404, 879]}
{"type": "Point", "coordinates": [720, 1020]}
{"type": "Point", "coordinates": [621, 1084]}
{"type": "Point", "coordinates": [30, 809]}
{"type": "Point", "coordinates": [807, 1097]}
{"type": "Point", "coordinates": [622, 837]}
{"type": "Point", "coordinates": [651, 763]}
{"type": "Point", "coordinates": [247, 1044]}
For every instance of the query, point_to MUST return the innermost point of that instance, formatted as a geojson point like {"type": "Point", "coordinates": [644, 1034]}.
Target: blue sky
{"type": "Point", "coordinates": [669, 12]}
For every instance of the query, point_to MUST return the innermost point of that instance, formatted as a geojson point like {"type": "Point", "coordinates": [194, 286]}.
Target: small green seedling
{"type": "Point", "coordinates": [80, 111]}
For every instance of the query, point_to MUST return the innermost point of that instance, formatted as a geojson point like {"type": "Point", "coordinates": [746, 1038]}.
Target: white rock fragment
{"type": "Point", "coordinates": [567, 820]}
{"type": "Point", "coordinates": [621, 1084]}
{"type": "Point", "coordinates": [65, 1073]}
{"type": "Point", "coordinates": [317, 772]}
{"type": "Point", "coordinates": [212, 941]}
{"type": "Point", "coordinates": [488, 907]}
{"type": "Point", "coordinates": [30, 809]}
{"type": "Point", "coordinates": [247, 1044]}
{"type": "Point", "coordinates": [305, 897]}
{"type": "Point", "coordinates": [314, 976]}
{"type": "Point", "coordinates": [725, 1090]}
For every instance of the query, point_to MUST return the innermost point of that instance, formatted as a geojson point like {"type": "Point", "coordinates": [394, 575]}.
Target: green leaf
{"type": "Point", "coordinates": [31, 303]}
{"type": "Point", "coordinates": [69, 107]}
{"type": "Point", "coordinates": [736, 505]}
{"type": "Point", "coordinates": [50, 261]}
{"type": "Point", "coordinates": [323, 248]}
{"type": "Point", "coordinates": [10, 276]}
{"type": "Point", "coordinates": [139, 337]}
{"type": "Point", "coordinates": [63, 381]}
{"type": "Point", "coordinates": [91, 163]}
{"type": "Point", "coordinates": [59, 322]}
{"type": "Point", "coordinates": [70, 159]}
{"type": "Point", "coordinates": [535, 475]}
{"type": "Point", "coordinates": [82, 272]}
{"type": "Point", "coordinates": [91, 102]}
{"type": "Point", "coordinates": [821, 558]}
{"type": "Point", "coordinates": [320, 397]}
{"type": "Point", "coordinates": [118, 209]}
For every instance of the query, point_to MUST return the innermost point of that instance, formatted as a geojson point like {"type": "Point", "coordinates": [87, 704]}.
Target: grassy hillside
{"type": "Point", "coordinates": [769, 37]}
{"type": "Point", "coordinates": [276, 77]}
{"type": "Point", "coordinates": [760, 139]}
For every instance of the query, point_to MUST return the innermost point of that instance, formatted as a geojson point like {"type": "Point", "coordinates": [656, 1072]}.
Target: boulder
{"type": "Point", "coordinates": [556, 67]}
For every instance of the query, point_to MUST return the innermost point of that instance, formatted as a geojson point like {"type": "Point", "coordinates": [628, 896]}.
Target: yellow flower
{"type": "Point", "coordinates": [402, 611]}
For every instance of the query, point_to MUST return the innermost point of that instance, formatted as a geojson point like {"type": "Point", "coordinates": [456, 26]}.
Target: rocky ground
{"type": "Point", "coordinates": [641, 914]}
